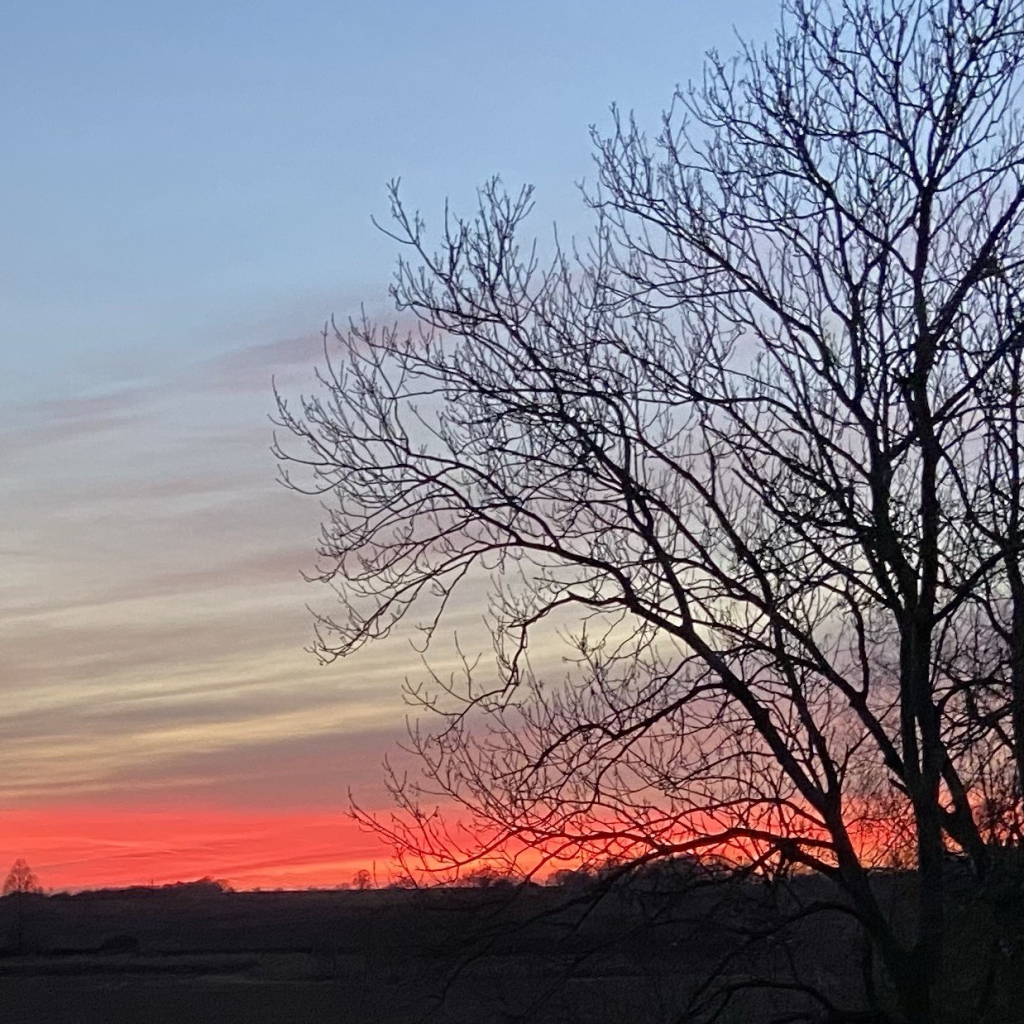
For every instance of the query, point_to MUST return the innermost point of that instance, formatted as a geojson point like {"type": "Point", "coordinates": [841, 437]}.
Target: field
{"type": "Point", "coordinates": [466, 956]}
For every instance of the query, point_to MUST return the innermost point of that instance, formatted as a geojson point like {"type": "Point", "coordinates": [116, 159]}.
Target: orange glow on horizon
{"type": "Point", "coordinates": [80, 847]}
{"type": "Point", "coordinates": [73, 848]}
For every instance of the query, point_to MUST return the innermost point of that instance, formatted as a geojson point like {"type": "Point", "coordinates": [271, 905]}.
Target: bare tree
{"type": "Point", "coordinates": [21, 879]}
{"type": "Point", "coordinates": [755, 452]}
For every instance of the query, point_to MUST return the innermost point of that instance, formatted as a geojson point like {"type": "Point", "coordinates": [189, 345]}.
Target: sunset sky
{"type": "Point", "coordinates": [187, 190]}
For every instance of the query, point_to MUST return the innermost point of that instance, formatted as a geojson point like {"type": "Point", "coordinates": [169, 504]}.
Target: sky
{"type": "Point", "coordinates": [186, 192]}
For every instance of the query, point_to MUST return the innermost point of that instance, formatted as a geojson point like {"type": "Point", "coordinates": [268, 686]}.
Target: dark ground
{"type": "Point", "coordinates": [541, 955]}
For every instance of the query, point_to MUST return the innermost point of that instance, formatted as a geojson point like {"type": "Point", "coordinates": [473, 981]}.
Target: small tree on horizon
{"type": "Point", "coordinates": [21, 879]}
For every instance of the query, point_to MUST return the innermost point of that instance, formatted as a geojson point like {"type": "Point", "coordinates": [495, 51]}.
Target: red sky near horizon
{"type": "Point", "coordinates": [74, 847]}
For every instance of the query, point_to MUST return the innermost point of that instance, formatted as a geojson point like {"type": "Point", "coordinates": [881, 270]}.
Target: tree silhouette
{"type": "Point", "coordinates": [21, 879]}
{"type": "Point", "coordinates": [756, 453]}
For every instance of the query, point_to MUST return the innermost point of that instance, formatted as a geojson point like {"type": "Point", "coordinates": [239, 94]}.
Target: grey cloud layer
{"type": "Point", "coordinates": [152, 611]}
{"type": "Point", "coordinates": [152, 618]}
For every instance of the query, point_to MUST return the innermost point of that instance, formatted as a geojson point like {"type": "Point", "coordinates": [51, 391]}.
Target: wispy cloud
{"type": "Point", "coordinates": [250, 369]}
{"type": "Point", "coordinates": [153, 626]}
{"type": "Point", "coordinates": [28, 426]}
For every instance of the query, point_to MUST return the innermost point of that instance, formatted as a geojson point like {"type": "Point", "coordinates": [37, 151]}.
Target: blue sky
{"type": "Point", "coordinates": [177, 174]}
{"type": "Point", "coordinates": [186, 195]}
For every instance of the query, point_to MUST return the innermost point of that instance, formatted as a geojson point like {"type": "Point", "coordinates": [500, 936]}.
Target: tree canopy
{"type": "Point", "coordinates": [755, 449]}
